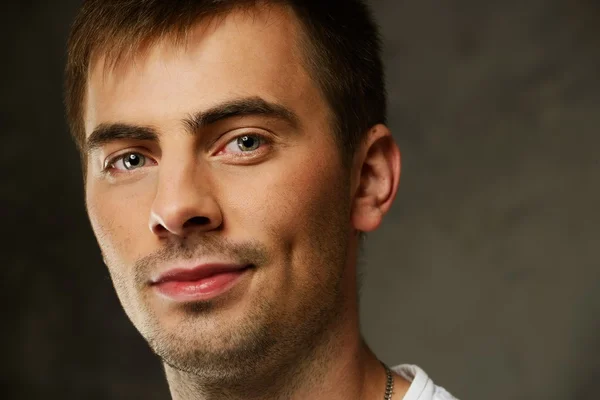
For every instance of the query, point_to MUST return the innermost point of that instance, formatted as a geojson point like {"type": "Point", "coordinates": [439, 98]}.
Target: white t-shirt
{"type": "Point", "coordinates": [421, 388]}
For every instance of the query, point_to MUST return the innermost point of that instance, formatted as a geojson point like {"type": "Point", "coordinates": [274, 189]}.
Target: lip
{"type": "Point", "coordinates": [202, 282]}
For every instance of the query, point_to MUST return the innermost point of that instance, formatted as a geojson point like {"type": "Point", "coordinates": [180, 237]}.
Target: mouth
{"type": "Point", "coordinates": [203, 282]}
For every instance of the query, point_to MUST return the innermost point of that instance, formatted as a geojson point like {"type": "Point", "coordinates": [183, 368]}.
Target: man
{"type": "Point", "coordinates": [234, 152]}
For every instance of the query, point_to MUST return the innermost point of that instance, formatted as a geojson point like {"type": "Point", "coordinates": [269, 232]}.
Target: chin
{"type": "Point", "coordinates": [211, 348]}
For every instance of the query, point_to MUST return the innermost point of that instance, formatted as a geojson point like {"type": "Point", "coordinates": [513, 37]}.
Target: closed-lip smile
{"type": "Point", "coordinates": [201, 282]}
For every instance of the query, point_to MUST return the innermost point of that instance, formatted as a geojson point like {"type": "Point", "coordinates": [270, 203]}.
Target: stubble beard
{"type": "Point", "coordinates": [264, 352]}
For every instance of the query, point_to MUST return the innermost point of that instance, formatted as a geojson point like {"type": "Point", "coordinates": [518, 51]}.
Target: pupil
{"type": "Point", "coordinates": [247, 142]}
{"type": "Point", "coordinates": [134, 160]}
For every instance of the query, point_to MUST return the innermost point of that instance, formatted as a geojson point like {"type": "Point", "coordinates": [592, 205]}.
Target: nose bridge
{"type": "Point", "coordinates": [176, 176]}
{"type": "Point", "coordinates": [184, 199]}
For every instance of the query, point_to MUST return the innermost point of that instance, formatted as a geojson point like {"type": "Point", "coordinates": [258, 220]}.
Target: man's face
{"type": "Point", "coordinates": [262, 192]}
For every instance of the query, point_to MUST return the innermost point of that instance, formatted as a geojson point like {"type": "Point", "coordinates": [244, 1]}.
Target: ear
{"type": "Point", "coordinates": [377, 163]}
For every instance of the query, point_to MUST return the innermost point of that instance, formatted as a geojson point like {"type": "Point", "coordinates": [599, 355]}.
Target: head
{"type": "Point", "coordinates": [245, 133]}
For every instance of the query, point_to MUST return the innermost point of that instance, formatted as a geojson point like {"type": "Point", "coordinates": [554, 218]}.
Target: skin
{"type": "Point", "coordinates": [289, 329]}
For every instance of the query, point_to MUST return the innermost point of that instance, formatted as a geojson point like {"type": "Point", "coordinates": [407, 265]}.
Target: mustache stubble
{"type": "Point", "coordinates": [198, 246]}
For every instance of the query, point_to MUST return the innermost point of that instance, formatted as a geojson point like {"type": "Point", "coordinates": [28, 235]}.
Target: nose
{"type": "Point", "coordinates": [184, 203]}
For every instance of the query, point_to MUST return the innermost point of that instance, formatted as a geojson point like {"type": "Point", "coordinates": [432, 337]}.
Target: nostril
{"type": "Point", "coordinates": [196, 221]}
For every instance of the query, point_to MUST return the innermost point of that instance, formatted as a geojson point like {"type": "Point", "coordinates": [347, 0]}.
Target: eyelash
{"type": "Point", "coordinates": [264, 141]}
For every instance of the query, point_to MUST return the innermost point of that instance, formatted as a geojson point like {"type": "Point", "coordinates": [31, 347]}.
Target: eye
{"type": "Point", "coordinates": [127, 161]}
{"type": "Point", "coordinates": [244, 144]}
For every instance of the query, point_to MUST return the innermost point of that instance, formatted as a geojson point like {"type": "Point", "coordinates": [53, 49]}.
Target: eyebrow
{"type": "Point", "coordinates": [107, 133]}
{"type": "Point", "coordinates": [247, 106]}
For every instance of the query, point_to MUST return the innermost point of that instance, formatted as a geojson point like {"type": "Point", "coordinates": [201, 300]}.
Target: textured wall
{"type": "Point", "coordinates": [486, 272]}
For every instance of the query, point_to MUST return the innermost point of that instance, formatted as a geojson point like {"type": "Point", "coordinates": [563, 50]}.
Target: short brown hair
{"type": "Point", "coordinates": [343, 51]}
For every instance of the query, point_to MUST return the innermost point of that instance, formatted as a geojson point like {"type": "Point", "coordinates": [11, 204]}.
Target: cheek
{"type": "Point", "coordinates": [117, 217]}
{"type": "Point", "coordinates": [295, 204]}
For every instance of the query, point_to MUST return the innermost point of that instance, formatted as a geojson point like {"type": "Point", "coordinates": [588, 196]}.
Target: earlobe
{"type": "Point", "coordinates": [377, 184]}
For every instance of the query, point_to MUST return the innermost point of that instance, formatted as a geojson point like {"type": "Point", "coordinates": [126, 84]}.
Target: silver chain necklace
{"type": "Point", "coordinates": [389, 386]}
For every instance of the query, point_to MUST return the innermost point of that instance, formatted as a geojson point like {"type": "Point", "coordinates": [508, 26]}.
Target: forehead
{"type": "Point", "coordinates": [245, 53]}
